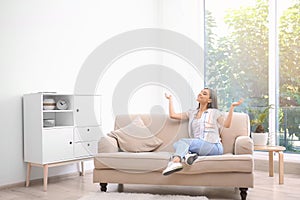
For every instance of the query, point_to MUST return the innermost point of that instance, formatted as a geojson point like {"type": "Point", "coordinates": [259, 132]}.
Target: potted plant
{"type": "Point", "coordinates": [259, 136]}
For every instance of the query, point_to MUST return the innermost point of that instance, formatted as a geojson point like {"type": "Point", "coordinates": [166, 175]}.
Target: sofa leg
{"type": "Point", "coordinates": [103, 187]}
{"type": "Point", "coordinates": [243, 193]}
{"type": "Point", "coordinates": [120, 187]}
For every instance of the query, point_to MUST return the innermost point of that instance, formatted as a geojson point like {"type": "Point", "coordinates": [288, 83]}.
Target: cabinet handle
{"type": "Point", "coordinates": [88, 129]}
{"type": "Point", "coordinates": [70, 142]}
{"type": "Point", "coordinates": [77, 110]}
{"type": "Point", "coordinates": [88, 144]}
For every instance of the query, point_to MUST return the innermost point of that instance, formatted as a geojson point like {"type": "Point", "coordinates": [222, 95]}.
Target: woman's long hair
{"type": "Point", "coordinates": [214, 99]}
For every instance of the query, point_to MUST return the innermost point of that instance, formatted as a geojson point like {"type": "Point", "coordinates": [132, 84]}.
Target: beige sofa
{"type": "Point", "coordinates": [232, 169]}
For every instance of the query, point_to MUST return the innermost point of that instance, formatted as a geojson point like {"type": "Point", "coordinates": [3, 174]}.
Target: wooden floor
{"type": "Point", "coordinates": [73, 187]}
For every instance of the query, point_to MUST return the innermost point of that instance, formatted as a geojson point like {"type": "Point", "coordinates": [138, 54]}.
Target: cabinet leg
{"type": "Point", "coordinates": [45, 177]}
{"type": "Point", "coordinates": [28, 174]}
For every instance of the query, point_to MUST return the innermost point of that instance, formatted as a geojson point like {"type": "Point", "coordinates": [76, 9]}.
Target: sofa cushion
{"type": "Point", "coordinates": [157, 161]}
{"type": "Point", "coordinates": [219, 164]}
{"type": "Point", "coordinates": [144, 161]}
{"type": "Point", "coordinates": [136, 137]}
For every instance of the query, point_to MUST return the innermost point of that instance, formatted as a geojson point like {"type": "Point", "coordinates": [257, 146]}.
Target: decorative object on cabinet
{"type": "Point", "coordinates": [55, 136]}
{"type": "Point", "coordinates": [49, 104]}
{"type": "Point", "coordinates": [49, 122]}
{"type": "Point", "coordinates": [62, 104]}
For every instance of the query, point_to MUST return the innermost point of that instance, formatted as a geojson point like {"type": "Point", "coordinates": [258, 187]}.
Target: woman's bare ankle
{"type": "Point", "coordinates": [176, 159]}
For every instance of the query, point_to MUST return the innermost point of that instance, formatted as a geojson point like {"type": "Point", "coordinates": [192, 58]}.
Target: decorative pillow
{"type": "Point", "coordinates": [136, 137]}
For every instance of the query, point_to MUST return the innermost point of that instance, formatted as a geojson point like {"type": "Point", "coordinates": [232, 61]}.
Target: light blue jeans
{"type": "Point", "coordinates": [198, 146]}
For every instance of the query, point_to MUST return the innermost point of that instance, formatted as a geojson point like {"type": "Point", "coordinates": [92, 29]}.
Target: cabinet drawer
{"type": "Point", "coordinates": [82, 149]}
{"type": "Point", "coordinates": [84, 134]}
{"type": "Point", "coordinates": [57, 144]}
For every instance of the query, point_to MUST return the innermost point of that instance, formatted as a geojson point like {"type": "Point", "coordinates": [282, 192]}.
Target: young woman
{"type": "Point", "coordinates": [204, 125]}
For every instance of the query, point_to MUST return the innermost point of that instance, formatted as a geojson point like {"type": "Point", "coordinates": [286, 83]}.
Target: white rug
{"type": "Point", "coordinates": [137, 196]}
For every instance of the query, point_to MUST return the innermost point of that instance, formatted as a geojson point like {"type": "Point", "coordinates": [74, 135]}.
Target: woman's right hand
{"type": "Point", "coordinates": [172, 114]}
{"type": "Point", "coordinates": [168, 96]}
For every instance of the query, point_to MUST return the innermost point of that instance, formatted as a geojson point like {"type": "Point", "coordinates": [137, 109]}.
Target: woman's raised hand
{"type": "Point", "coordinates": [168, 96]}
{"type": "Point", "coordinates": [237, 103]}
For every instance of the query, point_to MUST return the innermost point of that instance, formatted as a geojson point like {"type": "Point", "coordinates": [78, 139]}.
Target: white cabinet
{"type": "Point", "coordinates": [60, 128]}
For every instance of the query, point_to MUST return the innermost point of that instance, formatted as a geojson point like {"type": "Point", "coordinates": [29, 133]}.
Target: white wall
{"type": "Point", "coordinates": [43, 44]}
{"type": "Point", "coordinates": [181, 16]}
{"type": "Point", "coordinates": [187, 18]}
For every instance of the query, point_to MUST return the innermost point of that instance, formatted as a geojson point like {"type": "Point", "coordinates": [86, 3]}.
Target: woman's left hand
{"type": "Point", "coordinates": [237, 103]}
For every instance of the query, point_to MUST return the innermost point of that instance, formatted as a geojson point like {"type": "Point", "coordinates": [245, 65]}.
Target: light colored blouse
{"type": "Point", "coordinates": [207, 127]}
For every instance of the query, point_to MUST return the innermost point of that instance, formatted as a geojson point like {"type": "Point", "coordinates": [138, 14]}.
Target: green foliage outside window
{"type": "Point", "coordinates": [237, 63]}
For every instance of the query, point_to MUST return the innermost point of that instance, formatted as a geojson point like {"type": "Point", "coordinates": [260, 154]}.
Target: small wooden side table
{"type": "Point", "coordinates": [271, 150]}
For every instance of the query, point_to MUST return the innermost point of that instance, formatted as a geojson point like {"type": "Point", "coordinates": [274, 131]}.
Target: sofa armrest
{"type": "Point", "coordinates": [107, 144]}
{"type": "Point", "coordinates": [243, 145]}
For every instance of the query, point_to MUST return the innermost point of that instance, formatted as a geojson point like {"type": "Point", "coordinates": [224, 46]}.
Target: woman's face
{"type": "Point", "coordinates": [204, 96]}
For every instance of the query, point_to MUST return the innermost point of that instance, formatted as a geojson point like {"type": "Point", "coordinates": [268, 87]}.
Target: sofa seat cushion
{"type": "Point", "coordinates": [157, 161]}
{"type": "Point", "coordinates": [219, 164]}
{"type": "Point", "coordinates": [127, 161]}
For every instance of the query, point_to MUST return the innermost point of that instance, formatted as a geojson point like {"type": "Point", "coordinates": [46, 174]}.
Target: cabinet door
{"type": "Point", "coordinates": [57, 144]}
{"type": "Point", "coordinates": [87, 110]}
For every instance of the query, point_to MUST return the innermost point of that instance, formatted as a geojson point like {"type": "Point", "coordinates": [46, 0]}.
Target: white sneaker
{"type": "Point", "coordinates": [190, 158]}
{"type": "Point", "coordinates": [172, 167]}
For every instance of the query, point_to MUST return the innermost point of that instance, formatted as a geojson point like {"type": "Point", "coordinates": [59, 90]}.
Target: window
{"type": "Point", "coordinates": [237, 51]}
{"type": "Point", "coordinates": [237, 59]}
{"type": "Point", "coordinates": [288, 18]}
